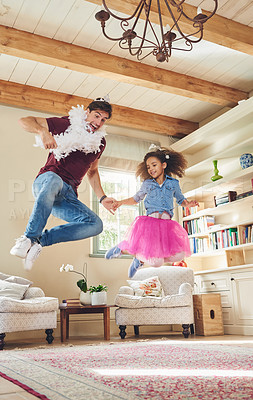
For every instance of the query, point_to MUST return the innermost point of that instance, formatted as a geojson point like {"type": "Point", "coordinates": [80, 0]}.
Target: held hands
{"type": "Point", "coordinates": [117, 204]}
{"type": "Point", "coordinates": [109, 204]}
{"type": "Point", "coordinates": [114, 204]}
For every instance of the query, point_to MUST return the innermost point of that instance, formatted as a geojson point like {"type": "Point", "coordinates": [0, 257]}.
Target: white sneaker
{"type": "Point", "coordinates": [32, 255]}
{"type": "Point", "coordinates": [22, 246]}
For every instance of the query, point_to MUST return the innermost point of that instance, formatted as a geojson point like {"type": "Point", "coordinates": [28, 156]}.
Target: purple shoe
{"type": "Point", "coordinates": [114, 252]}
{"type": "Point", "coordinates": [134, 266]}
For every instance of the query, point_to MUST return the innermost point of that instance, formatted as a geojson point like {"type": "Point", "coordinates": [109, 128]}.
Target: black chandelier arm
{"type": "Point", "coordinates": [206, 17]}
{"type": "Point", "coordinates": [176, 24]}
{"type": "Point", "coordinates": [160, 18]}
{"type": "Point", "coordinates": [137, 47]}
{"type": "Point", "coordinates": [193, 34]}
{"type": "Point", "coordinates": [175, 20]}
{"type": "Point", "coordinates": [108, 37]}
{"type": "Point", "coordinates": [123, 42]}
{"type": "Point", "coordinates": [124, 25]}
{"type": "Point", "coordinates": [188, 37]}
{"type": "Point", "coordinates": [179, 48]}
{"type": "Point", "coordinates": [138, 16]}
{"type": "Point", "coordinates": [142, 38]}
{"type": "Point", "coordinates": [137, 53]}
{"type": "Point", "coordinates": [149, 45]}
{"type": "Point", "coordinates": [147, 12]}
{"type": "Point", "coordinates": [154, 33]}
{"type": "Point", "coordinates": [140, 5]}
{"type": "Point", "coordinates": [142, 58]}
{"type": "Point", "coordinates": [148, 41]}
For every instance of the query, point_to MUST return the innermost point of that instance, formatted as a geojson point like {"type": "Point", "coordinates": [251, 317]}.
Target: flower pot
{"type": "Point", "coordinates": [85, 298]}
{"type": "Point", "coordinates": [98, 298]}
{"type": "Point", "coordinates": [246, 160]}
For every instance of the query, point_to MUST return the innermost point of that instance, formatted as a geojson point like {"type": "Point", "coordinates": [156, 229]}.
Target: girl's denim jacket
{"type": "Point", "coordinates": [160, 198]}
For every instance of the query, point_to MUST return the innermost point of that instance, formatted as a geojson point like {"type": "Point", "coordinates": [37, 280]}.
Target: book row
{"type": "Point", "coordinates": [247, 234]}
{"type": "Point", "coordinates": [199, 245]}
{"type": "Point", "coordinates": [222, 239]}
{"type": "Point", "coordinates": [199, 225]}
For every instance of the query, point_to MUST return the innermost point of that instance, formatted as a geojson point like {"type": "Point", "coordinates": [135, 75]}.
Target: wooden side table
{"type": "Point", "coordinates": [68, 307]}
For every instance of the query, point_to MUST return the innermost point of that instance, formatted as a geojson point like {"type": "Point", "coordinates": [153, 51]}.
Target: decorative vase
{"type": "Point", "coordinates": [85, 298]}
{"type": "Point", "coordinates": [98, 298]}
{"type": "Point", "coordinates": [216, 175]}
{"type": "Point", "coordinates": [246, 160]}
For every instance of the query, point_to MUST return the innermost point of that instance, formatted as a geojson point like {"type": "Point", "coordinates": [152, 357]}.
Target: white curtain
{"type": "Point", "coordinates": [124, 153]}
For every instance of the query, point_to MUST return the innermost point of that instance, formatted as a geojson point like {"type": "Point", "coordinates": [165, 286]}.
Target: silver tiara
{"type": "Point", "coordinates": [154, 147]}
{"type": "Point", "coordinates": [106, 98]}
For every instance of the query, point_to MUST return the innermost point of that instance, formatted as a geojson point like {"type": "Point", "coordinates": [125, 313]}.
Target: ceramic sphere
{"type": "Point", "coordinates": [246, 160]}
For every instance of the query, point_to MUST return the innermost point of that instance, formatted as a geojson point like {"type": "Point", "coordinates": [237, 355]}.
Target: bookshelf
{"type": "Point", "coordinates": [223, 232]}
{"type": "Point", "coordinates": [228, 270]}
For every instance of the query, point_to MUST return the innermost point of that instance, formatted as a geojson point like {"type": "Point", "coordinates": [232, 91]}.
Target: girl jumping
{"type": "Point", "coordinates": [155, 238]}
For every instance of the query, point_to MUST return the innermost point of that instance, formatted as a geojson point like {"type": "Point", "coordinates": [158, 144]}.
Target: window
{"type": "Point", "coordinates": [119, 185]}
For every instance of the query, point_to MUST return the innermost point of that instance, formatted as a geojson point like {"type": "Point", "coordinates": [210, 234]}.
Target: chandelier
{"type": "Point", "coordinates": [161, 39]}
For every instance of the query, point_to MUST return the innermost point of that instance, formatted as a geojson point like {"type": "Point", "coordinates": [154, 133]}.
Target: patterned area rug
{"type": "Point", "coordinates": [133, 370]}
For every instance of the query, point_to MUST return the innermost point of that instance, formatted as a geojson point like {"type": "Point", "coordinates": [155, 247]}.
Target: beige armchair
{"type": "Point", "coordinates": [30, 312]}
{"type": "Point", "coordinates": [175, 306]}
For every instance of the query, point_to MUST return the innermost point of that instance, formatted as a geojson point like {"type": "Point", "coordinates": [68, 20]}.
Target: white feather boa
{"type": "Point", "coordinates": [78, 136]}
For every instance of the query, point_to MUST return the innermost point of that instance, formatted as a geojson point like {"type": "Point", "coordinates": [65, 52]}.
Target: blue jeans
{"type": "Point", "coordinates": [54, 196]}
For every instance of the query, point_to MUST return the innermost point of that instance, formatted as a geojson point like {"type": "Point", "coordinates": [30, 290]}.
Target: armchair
{"type": "Point", "coordinates": [30, 311]}
{"type": "Point", "coordinates": [174, 307]}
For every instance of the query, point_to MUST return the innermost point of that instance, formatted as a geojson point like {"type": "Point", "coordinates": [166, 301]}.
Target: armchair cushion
{"type": "Point", "coordinates": [31, 305]}
{"type": "Point", "coordinates": [182, 299]}
{"type": "Point", "coordinates": [12, 290]}
{"type": "Point", "coordinates": [34, 292]}
{"type": "Point", "coordinates": [126, 290]}
{"type": "Point", "coordinates": [15, 279]}
{"type": "Point", "coordinates": [147, 287]}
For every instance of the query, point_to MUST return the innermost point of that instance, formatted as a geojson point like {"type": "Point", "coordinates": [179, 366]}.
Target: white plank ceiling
{"type": "Point", "coordinates": [73, 21]}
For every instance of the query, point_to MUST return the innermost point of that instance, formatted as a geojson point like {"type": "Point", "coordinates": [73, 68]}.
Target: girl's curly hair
{"type": "Point", "coordinates": [176, 163]}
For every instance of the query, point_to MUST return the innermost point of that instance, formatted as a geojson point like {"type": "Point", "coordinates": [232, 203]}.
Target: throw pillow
{"type": "Point", "coordinates": [147, 287]}
{"type": "Point", "coordinates": [13, 290]}
{"type": "Point", "coordinates": [15, 279]}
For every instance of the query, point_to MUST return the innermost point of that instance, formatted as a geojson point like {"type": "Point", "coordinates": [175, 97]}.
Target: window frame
{"type": "Point", "coordinates": [96, 252]}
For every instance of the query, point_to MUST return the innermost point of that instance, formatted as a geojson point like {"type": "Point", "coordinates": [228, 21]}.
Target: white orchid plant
{"type": "Point", "coordinates": [82, 283]}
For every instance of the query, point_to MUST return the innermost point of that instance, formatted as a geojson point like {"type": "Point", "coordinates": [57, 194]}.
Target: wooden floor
{"type": "Point", "coordinates": [9, 391]}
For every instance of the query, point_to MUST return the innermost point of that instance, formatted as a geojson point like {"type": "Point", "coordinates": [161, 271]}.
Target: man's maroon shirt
{"type": "Point", "coordinates": [73, 167]}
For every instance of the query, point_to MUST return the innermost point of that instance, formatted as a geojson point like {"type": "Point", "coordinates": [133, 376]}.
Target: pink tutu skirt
{"type": "Point", "coordinates": [156, 241]}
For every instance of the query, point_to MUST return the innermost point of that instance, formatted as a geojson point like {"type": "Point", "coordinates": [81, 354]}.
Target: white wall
{"type": "Point", "coordinates": [20, 163]}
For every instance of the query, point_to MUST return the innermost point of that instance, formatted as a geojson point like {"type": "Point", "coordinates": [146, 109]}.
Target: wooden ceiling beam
{"type": "Point", "coordinates": [218, 29]}
{"type": "Point", "coordinates": [33, 98]}
{"type": "Point", "coordinates": [38, 48]}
